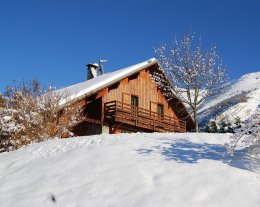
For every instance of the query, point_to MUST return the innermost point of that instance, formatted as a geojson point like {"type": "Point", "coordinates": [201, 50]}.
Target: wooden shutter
{"type": "Point", "coordinates": [126, 98]}
{"type": "Point", "coordinates": [153, 107]}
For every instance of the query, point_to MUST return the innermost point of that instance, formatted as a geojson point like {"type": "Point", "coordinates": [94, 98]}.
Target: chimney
{"type": "Point", "coordinates": [101, 67]}
{"type": "Point", "coordinates": [92, 70]}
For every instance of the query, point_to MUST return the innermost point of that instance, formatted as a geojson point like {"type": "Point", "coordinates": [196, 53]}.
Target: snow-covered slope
{"type": "Point", "coordinates": [240, 100]}
{"type": "Point", "coordinates": [129, 170]}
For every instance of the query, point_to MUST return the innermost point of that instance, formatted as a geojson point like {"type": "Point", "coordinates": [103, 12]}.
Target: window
{"type": "Point", "coordinates": [160, 109]}
{"type": "Point", "coordinates": [134, 101]}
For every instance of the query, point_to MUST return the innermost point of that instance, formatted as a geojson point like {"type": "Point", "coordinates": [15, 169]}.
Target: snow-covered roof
{"type": "Point", "coordinates": [89, 87]}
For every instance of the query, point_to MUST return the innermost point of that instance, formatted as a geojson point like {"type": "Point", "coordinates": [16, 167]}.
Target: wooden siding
{"type": "Point", "coordinates": [142, 86]}
{"type": "Point", "coordinates": [118, 112]}
{"type": "Point", "coordinates": [149, 96]}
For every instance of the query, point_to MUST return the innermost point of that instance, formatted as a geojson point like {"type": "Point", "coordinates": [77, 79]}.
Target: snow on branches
{"type": "Point", "coordinates": [195, 74]}
{"type": "Point", "coordinates": [29, 114]}
{"type": "Point", "coordinates": [161, 82]}
{"type": "Point", "coordinates": [248, 134]}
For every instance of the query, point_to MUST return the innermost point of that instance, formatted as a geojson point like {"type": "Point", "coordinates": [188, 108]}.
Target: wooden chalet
{"type": "Point", "coordinates": [128, 100]}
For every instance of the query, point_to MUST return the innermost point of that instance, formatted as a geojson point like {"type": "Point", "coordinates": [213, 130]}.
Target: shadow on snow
{"type": "Point", "coordinates": [185, 151]}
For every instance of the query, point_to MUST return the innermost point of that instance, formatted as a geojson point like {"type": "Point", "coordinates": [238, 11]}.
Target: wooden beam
{"type": "Point", "coordinates": [113, 130]}
{"type": "Point", "coordinates": [94, 121]}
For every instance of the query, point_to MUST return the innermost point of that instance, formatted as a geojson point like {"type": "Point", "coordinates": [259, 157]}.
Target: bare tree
{"type": "Point", "coordinates": [248, 134]}
{"type": "Point", "coordinates": [31, 114]}
{"type": "Point", "coordinates": [195, 74]}
{"type": "Point", "coordinates": [2, 101]}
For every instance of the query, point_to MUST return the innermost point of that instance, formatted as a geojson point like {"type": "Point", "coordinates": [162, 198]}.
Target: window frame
{"type": "Point", "coordinates": [160, 106]}
{"type": "Point", "coordinates": [132, 98]}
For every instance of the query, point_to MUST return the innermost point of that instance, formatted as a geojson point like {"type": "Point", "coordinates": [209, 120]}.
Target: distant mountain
{"type": "Point", "coordinates": [240, 99]}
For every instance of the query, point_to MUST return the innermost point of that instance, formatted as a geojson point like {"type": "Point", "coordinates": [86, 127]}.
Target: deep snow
{"type": "Point", "coordinates": [129, 170]}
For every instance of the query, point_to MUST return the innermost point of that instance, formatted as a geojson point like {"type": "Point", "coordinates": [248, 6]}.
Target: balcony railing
{"type": "Point", "coordinates": [118, 112]}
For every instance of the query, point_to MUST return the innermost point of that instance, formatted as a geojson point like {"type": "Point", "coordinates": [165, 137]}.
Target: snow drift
{"type": "Point", "coordinates": [129, 170]}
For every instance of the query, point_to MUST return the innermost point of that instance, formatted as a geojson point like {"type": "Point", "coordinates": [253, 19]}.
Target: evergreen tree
{"type": "Point", "coordinates": [213, 126]}
{"type": "Point", "coordinates": [238, 122]}
{"type": "Point", "coordinates": [229, 128]}
{"type": "Point", "coordinates": [207, 128]}
{"type": "Point", "coordinates": [223, 126]}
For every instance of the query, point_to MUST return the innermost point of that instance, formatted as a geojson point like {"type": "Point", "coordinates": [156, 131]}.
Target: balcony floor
{"type": "Point", "coordinates": [117, 112]}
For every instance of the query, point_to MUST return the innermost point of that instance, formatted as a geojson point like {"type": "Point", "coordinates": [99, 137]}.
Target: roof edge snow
{"type": "Point", "coordinates": [92, 86]}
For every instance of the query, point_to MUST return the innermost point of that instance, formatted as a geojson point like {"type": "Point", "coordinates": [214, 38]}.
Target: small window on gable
{"type": "Point", "coordinates": [160, 110]}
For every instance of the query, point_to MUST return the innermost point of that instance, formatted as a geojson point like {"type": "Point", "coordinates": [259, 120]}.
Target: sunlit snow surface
{"type": "Point", "coordinates": [154, 170]}
{"type": "Point", "coordinates": [228, 106]}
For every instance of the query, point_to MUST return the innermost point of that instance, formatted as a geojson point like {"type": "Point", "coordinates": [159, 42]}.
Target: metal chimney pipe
{"type": "Point", "coordinates": [101, 67]}
{"type": "Point", "coordinates": [92, 70]}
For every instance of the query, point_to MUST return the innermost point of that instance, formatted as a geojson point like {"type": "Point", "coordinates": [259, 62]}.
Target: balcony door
{"type": "Point", "coordinates": [160, 110]}
{"type": "Point", "coordinates": [134, 106]}
{"type": "Point", "coordinates": [156, 109]}
{"type": "Point", "coordinates": [134, 101]}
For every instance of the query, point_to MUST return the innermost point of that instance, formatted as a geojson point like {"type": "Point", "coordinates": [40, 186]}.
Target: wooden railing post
{"type": "Point", "coordinates": [117, 111]}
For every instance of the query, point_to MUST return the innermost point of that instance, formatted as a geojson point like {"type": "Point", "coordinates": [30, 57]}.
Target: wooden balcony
{"type": "Point", "coordinates": [118, 112]}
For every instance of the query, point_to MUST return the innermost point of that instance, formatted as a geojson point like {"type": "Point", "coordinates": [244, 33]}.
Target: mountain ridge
{"type": "Point", "coordinates": [240, 99]}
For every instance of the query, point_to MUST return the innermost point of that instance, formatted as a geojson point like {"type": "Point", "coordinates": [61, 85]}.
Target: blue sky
{"type": "Point", "coordinates": [53, 40]}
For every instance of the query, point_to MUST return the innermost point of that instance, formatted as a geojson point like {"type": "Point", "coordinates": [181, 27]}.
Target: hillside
{"type": "Point", "coordinates": [129, 170]}
{"type": "Point", "coordinates": [240, 99]}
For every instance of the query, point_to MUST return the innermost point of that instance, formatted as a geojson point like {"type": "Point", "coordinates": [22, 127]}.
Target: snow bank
{"type": "Point", "coordinates": [129, 170]}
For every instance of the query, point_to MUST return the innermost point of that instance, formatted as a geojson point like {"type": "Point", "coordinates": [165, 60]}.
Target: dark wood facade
{"type": "Point", "coordinates": [133, 104]}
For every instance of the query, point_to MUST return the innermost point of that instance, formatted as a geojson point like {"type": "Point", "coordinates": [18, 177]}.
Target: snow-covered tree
{"type": "Point", "coordinates": [248, 133]}
{"type": "Point", "coordinates": [211, 127]}
{"type": "Point", "coordinates": [195, 74]}
{"type": "Point", "coordinates": [237, 122]}
{"type": "Point", "coordinates": [33, 115]}
{"type": "Point", "coordinates": [2, 101]}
